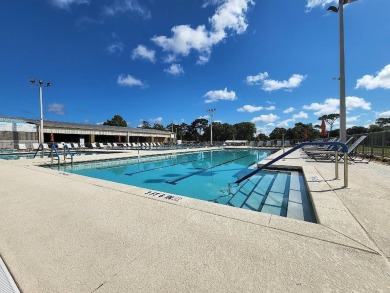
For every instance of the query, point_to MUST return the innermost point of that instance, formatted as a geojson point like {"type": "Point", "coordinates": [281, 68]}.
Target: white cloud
{"type": "Point", "coordinates": [352, 119]}
{"type": "Point", "coordinates": [214, 96]}
{"type": "Point", "coordinates": [270, 108]}
{"type": "Point", "coordinates": [116, 48]}
{"type": "Point", "coordinates": [265, 118]}
{"type": "Point", "coordinates": [331, 106]}
{"type": "Point", "coordinates": [385, 114]}
{"type": "Point", "coordinates": [56, 108]}
{"type": "Point", "coordinates": [289, 110]}
{"type": "Point", "coordinates": [300, 115]}
{"type": "Point", "coordinates": [123, 6]}
{"type": "Point", "coordinates": [355, 102]}
{"type": "Point", "coordinates": [263, 130]}
{"type": "Point", "coordinates": [143, 53]}
{"type": "Point", "coordinates": [370, 82]}
{"type": "Point", "coordinates": [175, 69]}
{"type": "Point", "coordinates": [204, 117]}
{"type": "Point", "coordinates": [314, 3]}
{"type": "Point", "coordinates": [156, 120]}
{"type": "Point", "coordinates": [256, 79]}
{"type": "Point", "coordinates": [285, 123]}
{"type": "Point", "coordinates": [272, 85]}
{"type": "Point", "coordinates": [65, 4]}
{"type": "Point", "coordinates": [229, 16]}
{"type": "Point", "coordinates": [129, 81]}
{"type": "Point", "coordinates": [250, 109]}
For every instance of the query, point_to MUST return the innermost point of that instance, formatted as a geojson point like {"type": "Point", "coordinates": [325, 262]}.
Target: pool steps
{"type": "Point", "coordinates": [277, 193]}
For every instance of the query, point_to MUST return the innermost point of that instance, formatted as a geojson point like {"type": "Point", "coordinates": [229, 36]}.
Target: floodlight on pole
{"type": "Point", "coordinates": [343, 111]}
{"type": "Point", "coordinates": [40, 84]}
{"type": "Point", "coordinates": [211, 111]}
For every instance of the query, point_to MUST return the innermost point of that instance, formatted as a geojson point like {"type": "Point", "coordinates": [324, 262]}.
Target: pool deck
{"type": "Point", "coordinates": [63, 232]}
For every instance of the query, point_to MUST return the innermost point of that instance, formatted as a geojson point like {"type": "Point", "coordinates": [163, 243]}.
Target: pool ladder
{"type": "Point", "coordinates": [55, 150]}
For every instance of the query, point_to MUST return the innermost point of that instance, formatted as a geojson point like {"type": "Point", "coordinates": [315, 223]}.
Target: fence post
{"type": "Point", "coordinates": [383, 145]}
{"type": "Point", "coordinates": [372, 145]}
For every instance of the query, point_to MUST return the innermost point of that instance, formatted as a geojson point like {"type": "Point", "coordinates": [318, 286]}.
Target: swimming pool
{"type": "Point", "coordinates": [207, 175]}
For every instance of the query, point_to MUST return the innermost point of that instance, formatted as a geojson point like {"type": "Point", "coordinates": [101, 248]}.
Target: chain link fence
{"type": "Point", "coordinates": [375, 146]}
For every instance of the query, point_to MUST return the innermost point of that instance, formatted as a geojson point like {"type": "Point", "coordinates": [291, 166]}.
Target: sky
{"type": "Point", "coordinates": [270, 62]}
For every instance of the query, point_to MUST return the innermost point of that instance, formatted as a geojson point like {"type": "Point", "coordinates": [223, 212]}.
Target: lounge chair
{"type": "Point", "coordinates": [22, 147]}
{"type": "Point", "coordinates": [35, 146]}
{"type": "Point", "coordinates": [331, 154]}
{"type": "Point", "coordinates": [268, 143]}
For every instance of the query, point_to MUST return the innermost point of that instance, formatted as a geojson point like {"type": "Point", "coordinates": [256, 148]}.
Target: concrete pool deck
{"type": "Point", "coordinates": [62, 232]}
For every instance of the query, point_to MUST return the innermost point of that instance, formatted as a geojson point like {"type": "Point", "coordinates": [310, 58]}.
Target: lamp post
{"type": "Point", "coordinates": [211, 111]}
{"type": "Point", "coordinates": [40, 84]}
{"type": "Point", "coordinates": [343, 115]}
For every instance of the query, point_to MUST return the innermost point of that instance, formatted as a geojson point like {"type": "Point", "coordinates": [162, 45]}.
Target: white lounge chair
{"type": "Point", "coordinates": [22, 147]}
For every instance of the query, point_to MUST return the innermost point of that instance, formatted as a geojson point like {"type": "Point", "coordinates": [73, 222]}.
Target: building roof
{"type": "Point", "coordinates": [95, 128]}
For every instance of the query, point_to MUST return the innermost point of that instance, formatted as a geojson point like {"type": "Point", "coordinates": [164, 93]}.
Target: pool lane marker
{"type": "Point", "coordinates": [174, 182]}
{"type": "Point", "coordinates": [166, 166]}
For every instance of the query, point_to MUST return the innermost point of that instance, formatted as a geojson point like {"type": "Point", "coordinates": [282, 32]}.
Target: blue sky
{"type": "Point", "coordinates": [270, 62]}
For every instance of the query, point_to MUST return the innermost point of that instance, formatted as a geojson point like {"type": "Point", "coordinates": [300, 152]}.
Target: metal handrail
{"type": "Point", "coordinates": [66, 149]}
{"type": "Point", "coordinates": [339, 147]}
{"type": "Point", "coordinates": [55, 149]}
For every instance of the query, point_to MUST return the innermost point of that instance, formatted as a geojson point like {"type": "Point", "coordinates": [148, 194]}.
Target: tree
{"type": "Point", "coordinates": [356, 130]}
{"type": "Point", "coordinates": [277, 133]}
{"type": "Point", "coordinates": [158, 126]}
{"type": "Point", "coordinates": [375, 128]}
{"type": "Point", "coordinates": [117, 120]}
{"type": "Point", "coordinates": [221, 132]}
{"type": "Point", "coordinates": [145, 125]}
{"type": "Point", "coordinates": [383, 122]}
{"type": "Point", "coordinates": [297, 132]}
{"type": "Point", "coordinates": [198, 124]}
{"type": "Point", "coordinates": [245, 130]}
{"type": "Point", "coordinates": [330, 119]}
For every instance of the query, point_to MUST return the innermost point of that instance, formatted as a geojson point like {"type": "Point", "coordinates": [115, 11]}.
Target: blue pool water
{"type": "Point", "coordinates": [208, 176]}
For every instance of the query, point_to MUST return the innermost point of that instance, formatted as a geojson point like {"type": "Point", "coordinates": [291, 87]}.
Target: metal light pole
{"type": "Point", "coordinates": [40, 84]}
{"type": "Point", "coordinates": [343, 111]}
{"type": "Point", "coordinates": [211, 111]}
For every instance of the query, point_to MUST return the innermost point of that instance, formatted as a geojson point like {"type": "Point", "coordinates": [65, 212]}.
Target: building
{"type": "Point", "coordinates": [21, 130]}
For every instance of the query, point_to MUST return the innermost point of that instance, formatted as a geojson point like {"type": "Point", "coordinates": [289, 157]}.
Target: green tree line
{"type": "Point", "coordinates": [199, 130]}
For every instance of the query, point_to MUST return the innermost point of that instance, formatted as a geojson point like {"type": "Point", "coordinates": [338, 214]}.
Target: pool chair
{"type": "Point", "coordinates": [279, 143]}
{"type": "Point", "coordinates": [331, 154]}
{"type": "Point", "coordinates": [22, 147]}
{"type": "Point", "coordinates": [45, 146]}
{"type": "Point", "coordinates": [75, 145]}
{"type": "Point", "coordinates": [268, 143]}
{"type": "Point", "coordinates": [35, 146]}
{"type": "Point", "coordinates": [287, 143]}
{"type": "Point", "coordinates": [323, 150]}
{"type": "Point", "coordinates": [93, 145]}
